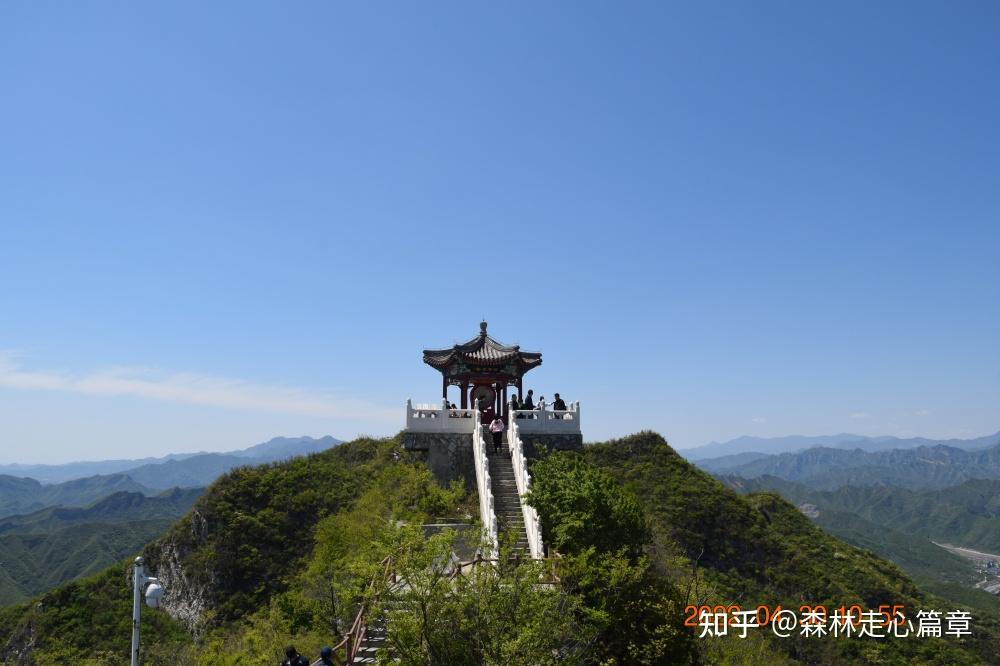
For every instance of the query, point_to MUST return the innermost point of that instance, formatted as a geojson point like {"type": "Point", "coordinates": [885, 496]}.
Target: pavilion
{"type": "Point", "coordinates": [483, 369]}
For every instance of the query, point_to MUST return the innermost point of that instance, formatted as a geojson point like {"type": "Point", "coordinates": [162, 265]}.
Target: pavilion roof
{"type": "Point", "coordinates": [482, 350]}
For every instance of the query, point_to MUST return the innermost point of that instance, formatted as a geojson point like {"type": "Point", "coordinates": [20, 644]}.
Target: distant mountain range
{"type": "Point", "coordinates": [43, 549]}
{"type": "Point", "coordinates": [72, 526]}
{"type": "Point", "coordinates": [793, 443]}
{"type": "Point", "coordinates": [275, 449]}
{"type": "Point", "coordinates": [22, 495]}
{"type": "Point", "coordinates": [902, 524]}
{"type": "Point", "coordinates": [923, 467]}
{"type": "Point", "coordinates": [967, 514]}
{"type": "Point", "coordinates": [117, 507]}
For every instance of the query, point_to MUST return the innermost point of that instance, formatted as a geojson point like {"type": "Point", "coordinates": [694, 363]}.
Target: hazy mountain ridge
{"type": "Point", "coordinates": [276, 448]}
{"type": "Point", "coordinates": [52, 533]}
{"type": "Point", "coordinates": [795, 443]}
{"type": "Point", "coordinates": [122, 506]}
{"type": "Point", "coordinates": [18, 496]}
{"type": "Point", "coordinates": [195, 472]}
{"type": "Point", "coordinates": [823, 468]}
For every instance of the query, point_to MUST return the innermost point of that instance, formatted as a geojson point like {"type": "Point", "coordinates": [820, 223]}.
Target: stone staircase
{"type": "Point", "coordinates": [510, 518]}
{"type": "Point", "coordinates": [506, 501]}
{"type": "Point", "coordinates": [373, 641]}
{"type": "Point", "coordinates": [375, 631]}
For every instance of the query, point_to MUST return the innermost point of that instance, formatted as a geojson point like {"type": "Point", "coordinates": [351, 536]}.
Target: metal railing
{"type": "Point", "coordinates": [355, 636]}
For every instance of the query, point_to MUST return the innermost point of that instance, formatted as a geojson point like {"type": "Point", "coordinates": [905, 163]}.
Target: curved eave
{"type": "Point", "coordinates": [526, 360]}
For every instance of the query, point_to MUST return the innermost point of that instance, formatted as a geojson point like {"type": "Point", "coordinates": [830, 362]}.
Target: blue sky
{"type": "Point", "coordinates": [221, 222]}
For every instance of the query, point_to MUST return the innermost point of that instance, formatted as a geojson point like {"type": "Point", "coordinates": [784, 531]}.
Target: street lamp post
{"type": "Point", "coordinates": [153, 593]}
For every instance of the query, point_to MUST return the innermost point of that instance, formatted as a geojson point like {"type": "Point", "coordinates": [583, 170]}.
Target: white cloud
{"type": "Point", "coordinates": [758, 419]}
{"type": "Point", "coordinates": [922, 412]}
{"type": "Point", "coordinates": [860, 416]}
{"type": "Point", "coordinates": [193, 389]}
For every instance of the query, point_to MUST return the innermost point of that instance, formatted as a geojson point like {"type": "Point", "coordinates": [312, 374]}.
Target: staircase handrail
{"type": "Point", "coordinates": [484, 486]}
{"type": "Point", "coordinates": [532, 522]}
{"type": "Point", "coordinates": [355, 636]}
{"type": "Point", "coordinates": [479, 559]}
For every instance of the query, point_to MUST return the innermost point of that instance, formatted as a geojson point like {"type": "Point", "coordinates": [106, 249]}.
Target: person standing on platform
{"type": "Point", "coordinates": [559, 405]}
{"type": "Point", "coordinates": [497, 427]}
{"type": "Point", "coordinates": [529, 400]}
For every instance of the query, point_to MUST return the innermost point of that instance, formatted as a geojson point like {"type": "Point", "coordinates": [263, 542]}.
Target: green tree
{"type": "Point", "coordinates": [634, 613]}
{"type": "Point", "coordinates": [583, 507]}
{"type": "Point", "coordinates": [507, 612]}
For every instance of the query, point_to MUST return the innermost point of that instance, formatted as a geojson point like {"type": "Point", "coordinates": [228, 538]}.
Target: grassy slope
{"type": "Point", "coordinates": [253, 531]}
{"type": "Point", "coordinates": [255, 527]}
{"type": "Point", "coordinates": [41, 550]}
{"type": "Point", "coordinates": [759, 549]}
{"type": "Point", "coordinates": [35, 563]}
{"type": "Point", "coordinates": [86, 621]}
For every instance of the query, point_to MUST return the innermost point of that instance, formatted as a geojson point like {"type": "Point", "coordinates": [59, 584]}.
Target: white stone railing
{"type": "Point", "coordinates": [548, 421]}
{"type": "Point", "coordinates": [532, 523]}
{"type": "Point", "coordinates": [484, 486]}
{"type": "Point", "coordinates": [439, 418]}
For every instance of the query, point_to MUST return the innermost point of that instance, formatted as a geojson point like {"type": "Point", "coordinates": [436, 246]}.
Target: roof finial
{"type": "Point", "coordinates": [482, 327]}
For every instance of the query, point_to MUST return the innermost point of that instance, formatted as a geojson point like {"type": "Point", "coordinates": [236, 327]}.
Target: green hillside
{"type": "Point", "coordinates": [967, 514]}
{"type": "Point", "coordinates": [22, 495]}
{"type": "Point", "coordinates": [758, 548]}
{"type": "Point", "coordinates": [277, 553]}
{"type": "Point", "coordinates": [33, 563]}
{"type": "Point", "coordinates": [41, 550]}
{"type": "Point", "coordinates": [900, 524]}
{"type": "Point", "coordinates": [121, 506]}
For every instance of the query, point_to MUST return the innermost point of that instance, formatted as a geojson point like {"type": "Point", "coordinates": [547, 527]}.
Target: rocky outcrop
{"type": "Point", "coordinates": [19, 647]}
{"type": "Point", "coordinates": [186, 593]}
